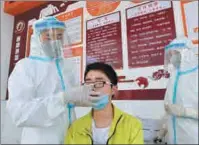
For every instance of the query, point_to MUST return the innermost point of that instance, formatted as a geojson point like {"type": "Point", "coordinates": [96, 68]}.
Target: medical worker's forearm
{"type": "Point", "coordinates": [191, 113]}
{"type": "Point", "coordinates": [41, 112]}
{"type": "Point", "coordinates": [26, 105]}
{"type": "Point", "coordinates": [181, 111]}
{"type": "Point", "coordinates": [163, 131]}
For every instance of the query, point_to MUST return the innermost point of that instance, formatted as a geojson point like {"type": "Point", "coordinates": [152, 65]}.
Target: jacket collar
{"type": "Point", "coordinates": [87, 127]}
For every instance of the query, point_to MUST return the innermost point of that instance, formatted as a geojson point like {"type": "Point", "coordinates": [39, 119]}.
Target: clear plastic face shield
{"type": "Point", "coordinates": [52, 42]}
{"type": "Point", "coordinates": [51, 35]}
{"type": "Point", "coordinates": [172, 58]}
{"type": "Point", "coordinates": [176, 53]}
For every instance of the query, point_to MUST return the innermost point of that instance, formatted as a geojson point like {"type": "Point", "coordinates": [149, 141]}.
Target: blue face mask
{"type": "Point", "coordinates": [102, 103]}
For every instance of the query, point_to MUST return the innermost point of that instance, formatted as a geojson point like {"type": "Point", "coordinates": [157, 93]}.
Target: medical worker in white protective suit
{"type": "Point", "coordinates": [181, 100]}
{"type": "Point", "coordinates": [42, 86]}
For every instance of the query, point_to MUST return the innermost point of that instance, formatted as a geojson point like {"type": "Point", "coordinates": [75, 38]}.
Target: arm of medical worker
{"type": "Point", "coordinates": [191, 113]}
{"type": "Point", "coordinates": [163, 131]}
{"type": "Point", "coordinates": [181, 111]}
{"type": "Point", "coordinates": [25, 107]}
{"type": "Point", "coordinates": [28, 109]}
{"type": "Point", "coordinates": [137, 134]}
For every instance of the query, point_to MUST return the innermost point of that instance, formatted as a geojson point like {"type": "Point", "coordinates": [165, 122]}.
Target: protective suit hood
{"type": "Point", "coordinates": [181, 54]}
{"type": "Point", "coordinates": [47, 39]}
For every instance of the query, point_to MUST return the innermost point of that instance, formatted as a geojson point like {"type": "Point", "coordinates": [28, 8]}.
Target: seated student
{"type": "Point", "coordinates": [105, 124]}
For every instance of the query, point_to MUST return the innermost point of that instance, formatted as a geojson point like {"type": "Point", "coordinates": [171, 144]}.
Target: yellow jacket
{"type": "Point", "coordinates": [125, 129]}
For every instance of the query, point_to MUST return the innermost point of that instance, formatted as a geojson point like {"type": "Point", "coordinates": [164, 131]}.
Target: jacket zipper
{"type": "Point", "coordinates": [114, 130]}
{"type": "Point", "coordinates": [90, 138]}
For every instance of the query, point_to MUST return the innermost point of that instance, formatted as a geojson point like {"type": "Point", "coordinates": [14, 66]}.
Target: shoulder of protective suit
{"type": "Point", "coordinates": [24, 61]}
{"type": "Point", "coordinates": [21, 69]}
{"type": "Point", "coordinates": [25, 64]}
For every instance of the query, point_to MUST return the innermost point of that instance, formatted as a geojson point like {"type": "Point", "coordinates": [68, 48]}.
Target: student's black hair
{"type": "Point", "coordinates": [104, 68]}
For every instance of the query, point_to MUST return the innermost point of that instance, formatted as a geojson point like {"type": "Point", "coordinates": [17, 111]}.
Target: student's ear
{"type": "Point", "coordinates": [114, 90]}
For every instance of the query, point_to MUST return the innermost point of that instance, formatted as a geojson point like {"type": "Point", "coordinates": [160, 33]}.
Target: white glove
{"type": "Point", "coordinates": [162, 132]}
{"type": "Point", "coordinates": [160, 135]}
{"type": "Point", "coordinates": [174, 109]}
{"type": "Point", "coordinates": [180, 111]}
{"type": "Point", "coordinates": [81, 96]}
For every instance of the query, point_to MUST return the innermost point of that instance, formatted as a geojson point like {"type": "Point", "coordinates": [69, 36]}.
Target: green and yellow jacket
{"type": "Point", "coordinates": [125, 129]}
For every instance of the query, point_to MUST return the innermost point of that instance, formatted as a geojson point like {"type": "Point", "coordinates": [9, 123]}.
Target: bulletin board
{"type": "Point", "coordinates": [129, 35]}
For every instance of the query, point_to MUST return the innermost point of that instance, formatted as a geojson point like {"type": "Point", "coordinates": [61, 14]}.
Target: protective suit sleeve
{"type": "Point", "coordinates": [25, 107]}
{"type": "Point", "coordinates": [191, 113]}
{"type": "Point", "coordinates": [180, 111]}
{"type": "Point", "coordinates": [163, 131]}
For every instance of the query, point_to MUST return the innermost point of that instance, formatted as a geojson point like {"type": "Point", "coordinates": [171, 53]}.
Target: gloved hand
{"type": "Point", "coordinates": [180, 111]}
{"type": "Point", "coordinates": [93, 99]}
{"type": "Point", "coordinates": [82, 96]}
{"type": "Point", "coordinates": [160, 135]}
{"type": "Point", "coordinates": [174, 109]}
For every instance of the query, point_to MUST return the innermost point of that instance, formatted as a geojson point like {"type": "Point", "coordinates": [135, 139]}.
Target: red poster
{"type": "Point", "coordinates": [150, 27]}
{"type": "Point", "coordinates": [103, 40]}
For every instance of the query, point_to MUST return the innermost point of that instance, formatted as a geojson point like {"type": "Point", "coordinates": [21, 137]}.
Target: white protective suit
{"type": "Point", "coordinates": [38, 88]}
{"type": "Point", "coordinates": [181, 100]}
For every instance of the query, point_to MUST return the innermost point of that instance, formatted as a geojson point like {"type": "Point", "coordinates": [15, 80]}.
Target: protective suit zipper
{"type": "Point", "coordinates": [57, 61]}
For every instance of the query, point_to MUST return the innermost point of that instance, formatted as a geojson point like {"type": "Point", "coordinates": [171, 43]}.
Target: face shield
{"type": "Point", "coordinates": [175, 53]}
{"type": "Point", "coordinates": [51, 34]}
{"type": "Point", "coordinates": [172, 58]}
